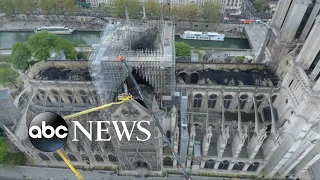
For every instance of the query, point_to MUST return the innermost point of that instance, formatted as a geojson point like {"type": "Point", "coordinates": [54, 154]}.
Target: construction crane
{"type": "Point", "coordinates": [123, 98]}
{"type": "Point", "coordinates": [180, 166]}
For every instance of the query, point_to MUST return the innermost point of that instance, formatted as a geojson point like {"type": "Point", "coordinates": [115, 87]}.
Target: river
{"type": "Point", "coordinates": [7, 39]}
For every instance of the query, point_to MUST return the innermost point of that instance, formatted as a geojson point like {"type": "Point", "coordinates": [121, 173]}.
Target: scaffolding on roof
{"type": "Point", "coordinates": [148, 48]}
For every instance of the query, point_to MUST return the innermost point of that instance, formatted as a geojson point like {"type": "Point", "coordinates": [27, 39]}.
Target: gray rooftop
{"type": "Point", "coordinates": [4, 93]}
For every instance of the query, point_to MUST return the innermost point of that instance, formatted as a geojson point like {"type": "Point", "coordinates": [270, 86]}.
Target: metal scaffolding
{"type": "Point", "coordinates": [148, 48]}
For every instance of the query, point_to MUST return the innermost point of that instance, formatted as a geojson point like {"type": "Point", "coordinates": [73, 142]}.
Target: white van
{"type": "Point", "coordinates": [258, 21]}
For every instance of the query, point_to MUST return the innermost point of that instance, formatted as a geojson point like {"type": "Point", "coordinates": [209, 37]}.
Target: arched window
{"type": "Point", "coordinates": [84, 100]}
{"type": "Point", "coordinates": [140, 164]}
{"type": "Point", "coordinates": [212, 101]}
{"type": "Point", "coordinates": [259, 100]}
{"type": "Point", "coordinates": [98, 158]}
{"type": "Point", "coordinates": [112, 158]}
{"type": "Point", "coordinates": [209, 164]}
{"type": "Point", "coordinates": [167, 161]}
{"type": "Point", "coordinates": [243, 100]}
{"type": "Point", "coordinates": [54, 92]}
{"type": "Point", "coordinates": [85, 158]}
{"type": "Point", "coordinates": [44, 157]}
{"type": "Point", "coordinates": [183, 76]}
{"type": "Point", "coordinates": [253, 167]}
{"type": "Point", "coordinates": [227, 101]}
{"type": "Point", "coordinates": [197, 126]}
{"type": "Point", "coordinates": [238, 166]}
{"type": "Point", "coordinates": [224, 165]}
{"type": "Point", "coordinates": [72, 157]}
{"type": "Point", "coordinates": [197, 101]}
{"type": "Point", "coordinates": [58, 158]}
{"type": "Point", "coordinates": [48, 99]}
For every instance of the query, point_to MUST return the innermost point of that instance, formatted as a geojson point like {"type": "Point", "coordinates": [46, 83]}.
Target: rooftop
{"type": "Point", "coordinates": [225, 74]}
{"type": "Point", "coordinates": [61, 73]}
{"type": "Point", "coordinates": [4, 94]}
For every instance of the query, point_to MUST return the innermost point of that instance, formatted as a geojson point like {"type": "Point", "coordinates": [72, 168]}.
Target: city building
{"type": "Point", "coordinates": [238, 119]}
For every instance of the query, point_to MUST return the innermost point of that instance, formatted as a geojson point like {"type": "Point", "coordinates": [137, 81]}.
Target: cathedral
{"type": "Point", "coordinates": [246, 120]}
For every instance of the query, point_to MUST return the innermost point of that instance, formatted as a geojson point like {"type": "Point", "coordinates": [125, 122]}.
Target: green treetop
{"type": "Point", "coordinates": [3, 149]}
{"type": "Point", "coordinates": [8, 77]}
{"type": "Point", "coordinates": [182, 49]}
{"type": "Point", "coordinates": [210, 11]}
{"type": "Point", "coordinates": [20, 55]}
{"type": "Point", "coordinates": [43, 43]}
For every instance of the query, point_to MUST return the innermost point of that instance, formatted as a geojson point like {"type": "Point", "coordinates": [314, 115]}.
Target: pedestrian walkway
{"type": "Point", "coordinates": [41, 173]}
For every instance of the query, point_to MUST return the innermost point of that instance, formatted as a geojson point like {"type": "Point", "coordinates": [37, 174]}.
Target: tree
{"type": "Point", "coordinates": [66, 6]}
{"type": "Point", "coordinates": [20, 55]}
{"type": "Point", "coordinates": [107, 10]}
{"type": "Point", "coordinates": [24, 6]}
{"type": "Point", "coordinates": [153, 8]}
{"type": "Point", "coordinates": [182, 49]}
{"type": "Point", "coordinates": [119, 8]}
{"type": "Point", "coordinates": [46, 6]}
{"type": "Point", "coordinates": [66, 47]}
{"type": "Point", "coordinates": [189, 11]}
{"type": "Point", "coordinates": [210, 11]}
{"type": "Point", "coordinates": [15, 159]}
{"type": "Point", "coordinates": [7, 7]}
{"type": "Point", "coordinates": [239, 59]}
{"type": "Point", "coordinates": [3, 149]}
{"type": "Point", "coordinates": [8, 76]}
{"type": "Point", "coordinates": [43, 43]}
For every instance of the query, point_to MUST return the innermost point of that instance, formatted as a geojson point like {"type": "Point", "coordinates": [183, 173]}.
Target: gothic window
{"type": "Point", "coordinates": [85, 157]}
{"type": "Point", "coordinates": [259, 100]}
{"type": "Point", "coordinates": [209, 164]}
{"type": "Point", "coordinates": [243, 100]}
{"type": "Point", "coordinates": [212, 101]}
{"type": "Point", "coordinates": [112, 158]}
{"type": "Point", "coordinates": [70, 99]}
{"type": "Point", "coordinates": [84, 100]}
{"type": "Point", "coordinates": [56, 98]}
{"type": "Point", "coordinates": [44, 157]}
{"type": "Point", "coordinates": [197, 126]}
{"type": "Point", "coordinates": [49, 100]}
{"type": "Point", "coordinates": [68, 92]}
{"type": "Point", "coordinates": [238, 166]}
{"type": "Point", "coordinates": [98, 158]}
{"type": "Point", "coordinates": [167, 161]}
{"type": "Point", "coordinates": [58, 158]}
{"type": "Point", "coordinates": [224, 165]}
{"type": "Point", "coordinates": [227, 101]}
{"type": "Point", "coordinates": [54, 92]}
{"type": "Point", "coordinates": [72, 157]}
{"type": "Point", "coordinates": [253, 166]}
{"type": "Point", "coordinates": [82, 92]}
{"type": "Point", "coordinates": [197, 101]}
{"type": "Point", "coordinates": [183, 76]}
{"type": "Point", "coordinates": [141, 164]}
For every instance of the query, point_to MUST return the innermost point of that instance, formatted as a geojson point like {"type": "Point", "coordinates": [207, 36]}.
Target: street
{"type": "Point", "coordinates": [37, 173]}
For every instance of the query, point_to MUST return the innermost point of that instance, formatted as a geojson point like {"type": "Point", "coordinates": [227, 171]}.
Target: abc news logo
{"type": "Point", "coordinates": [48, 131]}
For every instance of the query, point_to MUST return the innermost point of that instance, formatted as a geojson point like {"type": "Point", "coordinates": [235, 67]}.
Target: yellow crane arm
{"type": "Point", "coordinates": [122, 98]}
{"type": "Point", "coordinates": [76, 173]}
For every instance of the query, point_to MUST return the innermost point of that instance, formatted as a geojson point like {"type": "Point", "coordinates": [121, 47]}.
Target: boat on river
{"type": "Point", "coordinates": [195, 35]}
{"type": "Point", "coordinates": [55, 30]}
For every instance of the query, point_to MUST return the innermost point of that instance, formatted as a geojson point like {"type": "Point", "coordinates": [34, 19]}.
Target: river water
{"type": "Point", "coordinates": [7, 39]}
